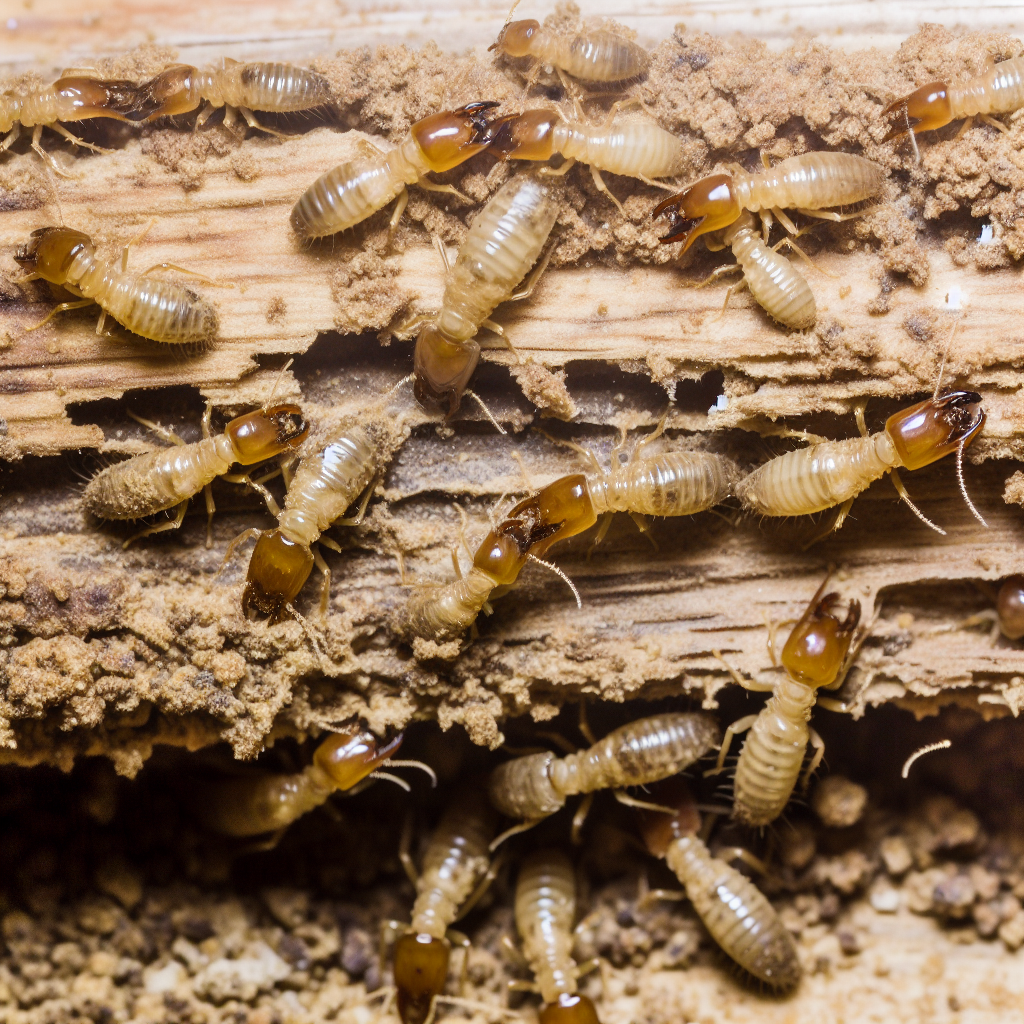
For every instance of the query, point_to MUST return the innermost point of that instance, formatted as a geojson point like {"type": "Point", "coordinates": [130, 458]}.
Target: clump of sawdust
{"type": "Point", "coordinates": [545, 388]}
{"type": "Point", "coordinates": [1013, 494]}
{"type": "Point", "coordinates": [363, 288]}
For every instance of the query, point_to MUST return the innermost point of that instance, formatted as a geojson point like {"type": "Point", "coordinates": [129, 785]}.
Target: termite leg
{"type": "Point", "coordinates": [602, 532]}
{"type": "Point", "coordinates": [432, 186]}
{"type": "Point", "coordinates": [838, 217]}
{"type": "Point", "coordinates": [75, 140]}
{"type": "Point", "coordinates": [204, 115]}
{"type": "Point", "coordinates": [184, 270]}
{"type": "Point", "coordinates": [840, 707]}
{"type": "Point", "coordinates": [11, 137]}
{"type": "Point", "coordinates": [240, 539]}
{"type": "Point", "coordinates": [819, 752]}
{"type": "Point", "coordinates": [170, 524]}
{"type": "Point", "coordinates": [257, 485]}
{"type": "Point", "coordinates": [773, 629]}
{"type": "Point", "coordinates": [602, 187]}
{"type": "Point", "coordinates": [162, 432]}
{"type": "Point", "coordinates": [644, 805]}
{"type": "Point", "coordinates": [403, 202]}
{"type": "Point", "coordinates": [524, 826]}
{"type": "Point", "coordinates": [563, 168]}
{"type": "Point", "coordinates": [640, 520]}
{"type": "Point", "coordinates": [571, 93]}
{"type": "Point", "coordinates": [404, 842]}
{"type": "Point", "coordinates": [729, 853]}
{"type": "Point", "coordinates": [744, 681]}
{"type": "Point", "coordinates": [389, 931]}
{"type": "Point", "coordinates": [653, 895]}
{"type": "Point", "coordinates": [988, 617]}
{"type": "Point", "coordinates": [511, 950]}
{"type": "Point", "coordinates": [361, 513]}
{"type": "Point", "coordinates": [589, 966]}
{"type": "Point", "coordinates": [783, 218]}
{"type": "Point", "coordinates": [837, 523]}
{"type": "Point", "coordinates": [579, 818]}
{"type": "Point", "coordinates": [457, 938]}
{"type": "Point", "coordinates": [807, 259]}
{"type": "Point", "coordinates": [993, 123]}
{"type": "Point", "coordinates": [626, 104]}
{"type": "Point", "coordinates": [325, 585]}
{"type": "Point", "coordinates": [740, 725]}
{"type": "Point", "coordinates": [251, 121]}
{"type": "Point", "coordinates": [482, 886]}
{"type": "Point", "coordinates": [500, 332]}
{"type": "Point", "coordinates": [531, 282]}
{"type": "Point", "coordinates": [658, 184]}
{"type": "Point", "coordinates": [62, 307]}
{"type": "Point", "coordinates": [584, 724]}
{"type": "Point", "coordinates": [728, 268]}
{"type": "Point", "coordinates": [134, 241]}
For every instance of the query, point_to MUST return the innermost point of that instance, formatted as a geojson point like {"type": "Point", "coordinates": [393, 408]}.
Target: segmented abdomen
{"type": "Point", "coordinates": [769, 765]}
{"type": "Point", "coordinates": [504, 242]}
{"type": "Point", "coordinates": [817, 477]}
{"type": "Point", "coordinates": [521, 788]}
{"type": "Point", "coordinates": [274, 86]}
{"type": "Point", "coordinates": [327, 483]}
{"type": "Point", "coordinates": [777, 286]}
{"type": "Point", "coordinates": [599, 56]}
{"type": "Point", "coordinates": [998, 91]}
{"type": "Point", "coordinates": [455, 860]}
{"type": "Point", "coordinates": [344, 196]}
{"type": "Point", "coordinates": [545, 907]}
{"type": "Point", "coordinates": [626, 147]}
{"type": "Point", "coordinates": [814, 181]}
{"type": "Point", "coordinates": [261, 803]}
{"type": "Point", "coordinates": [736, 913]}
{"type": "Point", "coordinates": [639, 752]}
{"type": "Point", "coordinates": [668, 484]}
{"type": "Point", "coordinates": [446, 610]}
{"type": "Point", "coordinates": [155, 481]}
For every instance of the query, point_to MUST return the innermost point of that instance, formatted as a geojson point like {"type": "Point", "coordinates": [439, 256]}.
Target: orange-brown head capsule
{"type": "Point", "coordinates": [923, 110]}
{"type": "Point", "coordinates": [707, 205]}
{"type": "Point", "coordinates": [278, 569]}
{"type": "Point", "coordinates": [264, 433]}
{"type": "Point", "coordinates": [348, 757]}
{"type": "Point", "coordinates": [1010, 606]}
{"type": "Point", "coordinates": [443, 369]}
{"type": "Point", "coordinates": [526, 136]}
{"type": "Point", "coordinates": [79, 98]}
{"type": "Point", "coordinates": [174, 91]}
{"type": "Point", "coordinates": [516, 38]}
{"type": "Point", "coordinates": [421, 970]}
{"type": "Point", "coordinates": [819, 643]}
{"type": "Point", "coordinates": [569, 1009]}
{"type": "Point", "coordinates": [930, 430]}
{"type": "Point", "coordinates": [658, 829]}
{"type": "Point", "coordinates": [51, 251]}
{"type": "Point", "coordinates": [564, 505]}
{"type": "Point", "coordinates": [453, 136]}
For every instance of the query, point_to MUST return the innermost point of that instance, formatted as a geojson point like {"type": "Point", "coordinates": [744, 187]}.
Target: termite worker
{"type": "Point", "coordinates": [534, 786]}
{"type": "Point", "coordinates": [169, 477]}
{"type": "Point", "coordinates": [735, 912]}
{"type": "Point", "coordinates": [504, 241]}
{"type": "Point", "coordinates": [456, 872]}
{"type": "Point", "coordinates": [829, 473]}
{"type": "Point", "coordinates": [807, 183]}
{"type": "Point", "coordinates": [263, 801]}
{"type": "Point", "coordinates": [818, 654]}
{"type": "Point", "coordinates": [998, 91]}
{"type": "Point", "coordinates": [70, 98]}
{"type": "Point", "coordinates": [591, 54]}
{"type": "Point", "coordinates": [638, 148]}
{"type": "Point", "coordinates": [545, 908]}
{"type": "Point", "coordinates": [776, 285]}
{"type": "Point", "coordinates": [147, 306]}
{"type": "Point", "coordinates": [348, 194]}
{"type": "Point", "coordinates": [243, 87]}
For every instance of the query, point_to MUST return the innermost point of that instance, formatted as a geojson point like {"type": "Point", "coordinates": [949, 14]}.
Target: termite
{"type": "Point", "coordinates": [170, 477]}
{"type": "Point", "coordinates": [998, 91]}
{"type": "Point", "coordinates": [154, 309]}
{"type": "Point", "coordinates": [536, 785]}
{"type": "Point", "coordinates": [735, 912]}
{"type": "Point", "coordinates": [348, 194]}
{"type": "Point", "coordinates": [456, 872]}
{"type": "Point", "coordinates": [818, 654]}
{"type": "Point", "coordinates": [829, 473]}
{"type": "Point", "coordinates": [325, 484]}
{"type": "Point", "coordinates": [637, 148]}
{"type": "Point", "coordinates": [545, 909]}
{"type": "Point", "coordinates": [70, 98]}
{"type": "Point", "coordinates": [235, 86]}
{"type": "Point", "coordinates": [807, 183]}
{"type": "Point", "coordinates": [591, 55]}
{"type": "Point", "coordinates": [776, 285]}
{"type": "Point", "coordinates": [261, 801]}
{"type": "Point", "coordinates": [504, 241]}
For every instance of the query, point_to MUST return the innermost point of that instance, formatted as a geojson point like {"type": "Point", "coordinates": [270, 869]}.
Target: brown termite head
{"type": "Point", "coordinates": [935, 428]}
{"type": "Point", "coordinates": [526, 136]}
{"type": "Point", "coordinates": [659, 829]}
{"type": "Point", "coordinates": [453, 136]}
{"type": "Point", "coordinates": [516, 38]}
{"type": "Point", "coordinates": [820, 641]}
{"type": "Point", "coordinates": [1010, 606]}
{"type": "Point", "coordinates": [563, 507]}
{"type": "Point", "coordinates": [924, 109]}
{"type": "Point", "coordinates": [50, 252]}
{"type": "Point", "coordinates": [348, 757]}
{"type": "Point", "coordinates": [278, 569]}
{"type": "Point", "coordinates": [569, 1009]}
{"type": "Point", "coordinates": [80, 97]}
{"type": "Point", "coordinates": [264, 433]}
{"type": "Point", "coordinates": [505, 549]}
{"type": "Point", "coordinates": [421, 970]}
{"type": "Point", "coordinates": [707, 205]}
{"type": "Point", "coordinates": [443, 369]}
{"type": "Point", "coordinates": [173, 91]}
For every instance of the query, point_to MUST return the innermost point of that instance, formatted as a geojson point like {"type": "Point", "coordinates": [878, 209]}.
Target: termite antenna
{"type": "Point", "coordinates": [392, 763]}
{"type": "Point", "coordinates": [284, 370]}
{"type": "Point", "coordinates": [558, 572]}
{"type": "Point", "coordinates": [941, 745]}
{"type": "Point", "coordinates": [487, 412]}
{"type": "Point", "coordinates": [508, 21]}
{"type": "Point", "coordinates": [963, 486]}
{"type": "Point", "coordinates": [395, 387]}
{"type": "Point", "coordinates": [920, 515]}
{"type": "Point", "coordinates": [53, 191]}
{"type": "Point", "coordinates": [391, 778]}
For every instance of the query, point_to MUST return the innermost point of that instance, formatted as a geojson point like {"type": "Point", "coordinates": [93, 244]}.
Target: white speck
{"type": "Point", "coordinates": [12, 23]}
{"type": "Point", "coordinates": [721, 404]}
{"type": "Point", "coordinates": [885, 899]}
{"type": "Point", "coordinates": [605, 226]}
{"type": "Point", "coordinates": [986, 237]}
{"type": "Point", "coordinates": [954, 298]}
